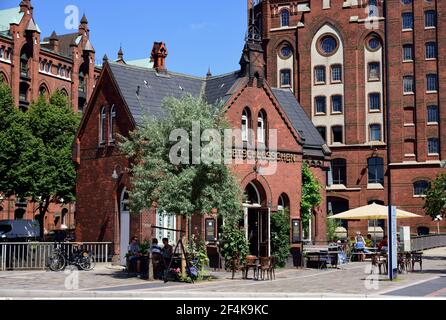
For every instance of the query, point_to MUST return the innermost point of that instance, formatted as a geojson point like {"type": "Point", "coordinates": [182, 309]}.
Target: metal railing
{"type": "Point", "coordinates": [34, 255]}
{"type": "Point", "coordinates": [428, 242]}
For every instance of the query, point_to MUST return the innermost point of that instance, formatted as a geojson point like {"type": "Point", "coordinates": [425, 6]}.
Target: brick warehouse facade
{"type": "Point", "coordinates": [35, 66]}
{"type": "Point", "coordinates": [125, 90]}
{"type": "Point", "coordinates": [332, 54]}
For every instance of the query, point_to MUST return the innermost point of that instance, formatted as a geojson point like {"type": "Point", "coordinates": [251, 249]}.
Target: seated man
{"type": "Point", "coordinates": [133, 255]}
{"type": "Point", "coordinates": [383, 245]}
{"type": "Point", "coordinates": [369, 242]}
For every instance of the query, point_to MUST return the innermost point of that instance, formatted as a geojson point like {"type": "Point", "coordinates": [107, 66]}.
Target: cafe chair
{"type": "Point", "coordinates": [250, 263]}
{"type": "Point", "coordinates": [264, 268]}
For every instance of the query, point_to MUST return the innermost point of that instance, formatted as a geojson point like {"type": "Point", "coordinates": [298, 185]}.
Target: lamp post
{"type": "Point", "coordinates": [116, 175]}
{"type": "Point", "coordinates": [438, 219]}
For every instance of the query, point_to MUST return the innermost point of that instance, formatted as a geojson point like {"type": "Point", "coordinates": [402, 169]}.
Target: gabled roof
{"type": "Point", "coordinates": [8, 16]}
{"type": "Point", "coordinates": [144, 90]}
{"type": "Point", "coordinates": [301, 121]}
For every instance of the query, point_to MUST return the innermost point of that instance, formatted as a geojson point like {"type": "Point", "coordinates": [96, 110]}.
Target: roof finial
{"type": "Point", "coordinates": [84, 19]}
{"type": "Point", "coordinates": [209, 74]}
{"type": "Point", "coordinates": [105, 59]}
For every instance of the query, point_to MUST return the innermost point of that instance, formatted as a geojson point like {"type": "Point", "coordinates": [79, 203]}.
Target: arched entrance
{"type": "Point", "coordinates": [338, 205]}
{"type": "Point", "coordinates": [257, 220]}
{"type": "Point", "coordinates": [124, 226]}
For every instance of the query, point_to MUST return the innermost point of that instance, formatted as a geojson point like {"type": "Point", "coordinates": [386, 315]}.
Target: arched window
{"type": "Point", "coordinates": [376, 170]}
{"type": "Point", "coordinates": [420, 187]}
{"type": "Point", "coordinates": [43, 91]}
{"type": "Point", "coordinates": [284, 202]}
{"type": "Point", "coordinates": [261, 127]}
{"type": "Point", "coordinates": [102, 125]}
{"type": "Point", "coordinates": [24, 60]}
{"type": "Point", "coordinates": [81, 81]}
{"type": "Point", "coordinates": [3, 78]}
{"type": "Point", "coordinates": [339, 167]}
{"type": "Point", "coordinates": [285, 18]}
{"type": "Point", "coordinates": [112, 123]}
{"type": "Point", "coordinates": [246, 124]}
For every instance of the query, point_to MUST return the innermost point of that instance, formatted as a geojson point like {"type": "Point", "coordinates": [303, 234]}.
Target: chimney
{"type": "Point", "coordinates": [54, 42]}
{"type": "Point", "coordinates": [158, 57]}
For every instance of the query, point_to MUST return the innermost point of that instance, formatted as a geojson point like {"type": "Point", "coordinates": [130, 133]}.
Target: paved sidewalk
{"type": "Point", "coordinates": [350, 281]}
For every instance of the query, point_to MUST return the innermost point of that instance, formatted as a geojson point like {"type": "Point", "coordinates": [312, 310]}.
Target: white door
{"type": "Point", "coordinates": [167, 221]}
{"type": "Point", "coordinates": [124, 226]}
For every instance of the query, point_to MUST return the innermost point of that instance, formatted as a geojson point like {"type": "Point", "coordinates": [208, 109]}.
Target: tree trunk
{"type": "Point", "coordinates": [43, 209]}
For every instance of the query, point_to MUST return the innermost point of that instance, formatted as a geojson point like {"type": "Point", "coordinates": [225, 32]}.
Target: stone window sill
{"type": "Point", "coordinates": [375, 186]}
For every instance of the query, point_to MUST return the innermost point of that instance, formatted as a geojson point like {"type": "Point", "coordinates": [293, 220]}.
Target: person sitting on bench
{"type": "Point", "coordinates": [134, 255]}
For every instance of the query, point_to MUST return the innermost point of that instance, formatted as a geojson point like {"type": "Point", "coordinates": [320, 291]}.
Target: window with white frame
{"type": "Point", "coordinates": [245, 124]}
{"type": "Point", "coordinates": [112, 121]}
{"type": "Point", "coordinates": [102, 125]}
{"type": "Point", "coordinates": [336, 73]}
{"type": "Point", "coordinates": [430, 19]}
{"type": "Point", "coordinates": [321, 105]}
{"type": "Point", "coordinates": [374, 71]}
{"type": "Point", "coordinates": [408, 52]}
{"type": "Point", "coordinates": [407, 18]}
{"type": "Point", "coordinates": [433, 146]}
{"type": "Point", "coordinates": [432, 114]}
{"type": "Point", "coordinates": [319, 74]}
{"type": "Point", "coordinates": [336, 103]}
{"type": "Point", "coordinates": [375, 132]}
{"type": "Point", "coordinates": [408, 84]}
{"type": "Point", "coordinates": [431, 82]}
{"type": "Point", "coordinates": [261, 127]}
{"type": "Point", "coordinates": [431, 50]}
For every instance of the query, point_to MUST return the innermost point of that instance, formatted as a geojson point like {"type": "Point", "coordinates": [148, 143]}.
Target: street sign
{"type": "Point", "coordinates": [392, 244]}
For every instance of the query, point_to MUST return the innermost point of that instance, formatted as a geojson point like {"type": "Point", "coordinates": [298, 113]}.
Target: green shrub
{"type": "Point", "coordinates": [280, 236]}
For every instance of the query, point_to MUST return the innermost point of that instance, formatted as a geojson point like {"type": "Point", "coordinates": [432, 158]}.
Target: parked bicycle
{"type": "Point", "coordinates": [80, 257]}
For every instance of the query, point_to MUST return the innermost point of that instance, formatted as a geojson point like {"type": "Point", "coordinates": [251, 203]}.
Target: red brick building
{"type": "Point", "coordinates": [125, 93]}
{"type": "Point", "coordinates": [332, 54]}
{"type": "Point", "coordinates": [33, 66]}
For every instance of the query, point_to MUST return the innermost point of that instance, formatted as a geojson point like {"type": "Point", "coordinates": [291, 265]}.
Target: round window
{"type": "Point", "coordinates": [373, 44]}
{"type": "Point", "coordinates": [328, 45]}
{"type": "Point", "coordinates": [286, 51]}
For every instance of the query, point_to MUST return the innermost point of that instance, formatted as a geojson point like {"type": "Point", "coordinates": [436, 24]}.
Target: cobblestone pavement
{"type": "Point", "coordinates": [353, 280]}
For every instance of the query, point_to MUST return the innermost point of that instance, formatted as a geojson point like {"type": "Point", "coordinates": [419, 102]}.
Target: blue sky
{"type": "Point", "coordinates": [198, 33]}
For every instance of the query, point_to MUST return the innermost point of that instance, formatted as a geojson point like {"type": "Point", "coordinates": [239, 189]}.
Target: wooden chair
{"type": "Point", "coordinates": [250, 263]}
{"type": "Point", "coordinates": [264, 267]}
{"type": "Point", "coordinates": [272, 269]}
{"type": "Point", "coordinates": [379, 262]}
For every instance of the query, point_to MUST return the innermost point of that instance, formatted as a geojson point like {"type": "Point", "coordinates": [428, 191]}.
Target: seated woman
{"type": "Point", "coordinates": [383, 245]}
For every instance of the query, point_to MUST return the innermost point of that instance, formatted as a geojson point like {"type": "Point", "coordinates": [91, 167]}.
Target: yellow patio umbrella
{"type": "Point", "coordinates": [372, 212]}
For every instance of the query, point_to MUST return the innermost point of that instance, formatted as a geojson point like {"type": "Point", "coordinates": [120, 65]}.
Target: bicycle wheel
{"type": "Point", "coordinates": [56, 262]}
{"type": "Point", "coordinates": [87, 262]}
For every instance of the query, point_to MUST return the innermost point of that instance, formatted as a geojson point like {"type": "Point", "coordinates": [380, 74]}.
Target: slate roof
{"type": "Point", "coordinates": [144, 90]}
{"type": "Point", "coordinates": [65, 42]}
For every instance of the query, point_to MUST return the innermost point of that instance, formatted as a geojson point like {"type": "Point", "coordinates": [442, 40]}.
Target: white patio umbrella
{"type": "Point", "coordinates": [372, 212]}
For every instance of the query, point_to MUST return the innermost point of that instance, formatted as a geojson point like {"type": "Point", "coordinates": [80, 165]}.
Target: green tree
{"type": "Point", "coordinates": [436, 197]}
{"type": "Point", "coordinates": [185, 188]}
{"type": "Point", "coordinates": [280, 236]}
{"type": "Point", "coordinates": [311, 196]}
{"type": "Point", "coordinates": [35, 151]}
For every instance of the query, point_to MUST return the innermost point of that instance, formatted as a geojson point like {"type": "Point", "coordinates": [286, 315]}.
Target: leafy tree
{"type": "Point", "coordinates": [331, 229]}
{"type": "Point", "coordinates": [35, 151]}
{"type": "Point", "coordinates": [436, 197]}
{"type": "Point", "coordinates": [311, 196]}
{"type": "Point", "coordinates": [185, 188]}
{"type": "Point", "coordinates": [280, 236]}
